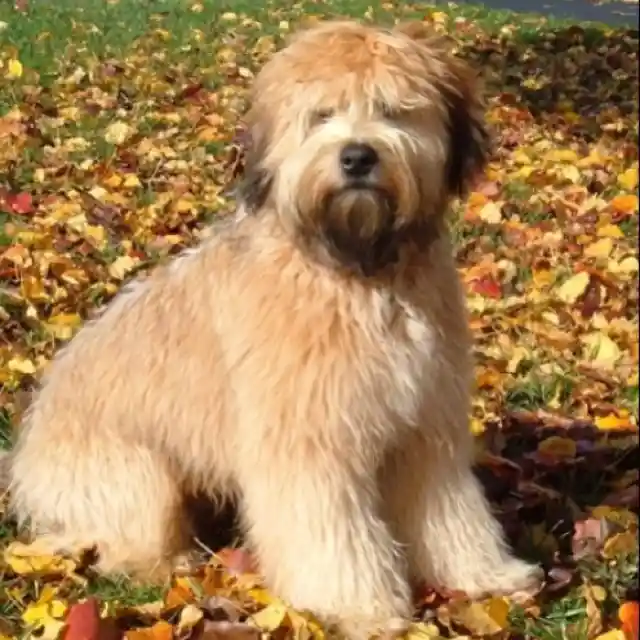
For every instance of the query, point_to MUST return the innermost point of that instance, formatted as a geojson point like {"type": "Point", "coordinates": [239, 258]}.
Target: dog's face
{"type": "Point", "coordinates": [359, 137]}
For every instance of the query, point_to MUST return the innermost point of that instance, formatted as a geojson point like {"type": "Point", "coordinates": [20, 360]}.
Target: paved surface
{"type": "Point", "coordinates": [615, 14]}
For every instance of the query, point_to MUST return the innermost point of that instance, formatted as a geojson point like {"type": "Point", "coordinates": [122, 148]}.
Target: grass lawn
{"type": "Point", "coordinates": [117, 123]}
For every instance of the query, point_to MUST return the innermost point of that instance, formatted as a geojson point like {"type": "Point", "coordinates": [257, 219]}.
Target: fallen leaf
{"type": "Point", "coordinates": [629, 179]}
{"type": "Point", "coordinates": [601, 350]}
{"type": "Point", "coordinates": [491, 213]}
{"type": "Point", "coordinates": [26, 560]}
{"type": "Point", "coordinates": [159, 631]}
{"type": "Point", "coordinates": [573, 288]}
{"type": "Point", "coordinates": [223, 630]}
{"type": "Point", "coordinates": [614, 634]}
{"type": "Point", "coordinates": [613, 422]}
{"type": "Point", "coordinates": [625, 204]}
{"type": "Point", "coordinates": [620, 544]}
{"type": "Point", "coordinates": [83, 622]}
{"type": "Point", "coordinates": [481, 618]}
{"type": "Point", "coordinates": [600, 249]}
{"type": "Point", "coordinates": [45, 616]}
{"type": "Point", "coordinates": [190, 616]}
{"type": "Point", "coordinates": [14, 69]}
{"type": "Point", "coordinates": [117, 133]}
{"type": "Point", "coordinates": [558, 448]}
{"type": "Point", "coordinates": [629, 615]}
{"type": "Point", "coordinates": [271, 617]}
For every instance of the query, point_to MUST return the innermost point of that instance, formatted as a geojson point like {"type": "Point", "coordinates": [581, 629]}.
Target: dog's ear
{"type": "Point", "coordinates": [469, 138]}
{"type": "Point", "coordinates": [254, 187]}
{"type": "Point", "coordinates": [469, 144]}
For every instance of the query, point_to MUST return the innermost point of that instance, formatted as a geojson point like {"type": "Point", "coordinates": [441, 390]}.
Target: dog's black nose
{"type": "Point", "coordinates": [357, 160]}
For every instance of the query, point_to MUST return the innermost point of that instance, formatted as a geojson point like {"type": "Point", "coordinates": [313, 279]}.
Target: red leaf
{"type": "Point", "coordinates": [489, 188]}
{"type": "Point", "coordinates": [237, 561]}
{"type": "Point", "coordinates": [84, 623]}
{"type": "Point", "coordinates": [20, 203]}
{"type": "Point", "coordinates": [486, 286]}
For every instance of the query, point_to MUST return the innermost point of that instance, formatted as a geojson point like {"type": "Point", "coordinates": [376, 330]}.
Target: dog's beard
{"type": "Point", "coordinates": [358, 227]}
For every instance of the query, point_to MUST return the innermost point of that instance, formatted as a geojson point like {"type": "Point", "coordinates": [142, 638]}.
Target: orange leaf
{"type": "Point", "coordinates": [625, 204]}
{"type": "Point", "coordinates": [629, 613]}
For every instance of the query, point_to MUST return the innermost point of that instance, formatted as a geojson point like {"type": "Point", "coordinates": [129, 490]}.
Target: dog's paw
{"type": "Point", "coordinates": [361, 628]}
{"type": "Point", "coordinates": [514, 578]}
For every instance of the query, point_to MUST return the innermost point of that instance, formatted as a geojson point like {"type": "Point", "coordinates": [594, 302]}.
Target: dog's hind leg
{"type": "Point", "coordinates": [119, 497]}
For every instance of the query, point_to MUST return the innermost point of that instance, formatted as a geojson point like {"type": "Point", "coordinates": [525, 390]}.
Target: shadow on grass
{"type": "Point", "coordinates": [582, 80]}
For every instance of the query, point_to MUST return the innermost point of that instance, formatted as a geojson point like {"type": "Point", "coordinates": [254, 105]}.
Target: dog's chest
{"type": "Point", "coordinates": [400, 347]}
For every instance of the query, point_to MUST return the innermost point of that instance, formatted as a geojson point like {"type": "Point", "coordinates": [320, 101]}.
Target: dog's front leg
{"type": "Point", "coordinates": [321, 545]}
{"type": "Point", "coordinates": [440, 511]}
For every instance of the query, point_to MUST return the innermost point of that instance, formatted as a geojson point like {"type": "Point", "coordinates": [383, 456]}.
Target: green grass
{"type": "Point", "coordinates": [48, 30]}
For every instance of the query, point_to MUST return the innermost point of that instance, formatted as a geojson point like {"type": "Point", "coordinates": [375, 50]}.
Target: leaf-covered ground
{"type": "Point", "coordinates": [118, 139]}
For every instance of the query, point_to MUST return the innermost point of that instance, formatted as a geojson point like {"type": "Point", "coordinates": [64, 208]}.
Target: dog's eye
{"type": "Point", "coordinates": [320, 116]}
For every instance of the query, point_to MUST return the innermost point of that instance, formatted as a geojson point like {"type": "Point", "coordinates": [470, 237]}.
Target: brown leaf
{"type": "Point", "coordinates": [224, 630]}
{"type": "Point", "coordinates": [589, 536]}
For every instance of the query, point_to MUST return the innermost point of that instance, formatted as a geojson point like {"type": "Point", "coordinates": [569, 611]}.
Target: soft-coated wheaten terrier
{"type": "Point", "coordinates": [312, 358]}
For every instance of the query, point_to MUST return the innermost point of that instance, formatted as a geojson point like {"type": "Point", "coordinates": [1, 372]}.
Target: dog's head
{"type": "Point", "coordinates": [359, 137]}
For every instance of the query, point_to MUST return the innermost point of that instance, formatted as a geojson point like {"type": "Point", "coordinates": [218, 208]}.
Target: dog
{"type": "Point", "coordinates": [311, 359]}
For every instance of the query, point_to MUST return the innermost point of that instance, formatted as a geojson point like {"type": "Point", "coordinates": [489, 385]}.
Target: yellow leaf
{"type": "Point", "coordinates": [617, 515]}
{"type": "Point", "coordinates": [478, 617]}
{"type": "Point", "coordinates": [574, 287]}
{"type": "Point", "coordinates": [543, 277]}
{"type": "Point", "coordinates": [119, 268]}
{"type": "Point", "coordinates": [271, 617]}
{"type": "Point", "coordinates": [31, 559]}
{"type": "Point", "coordinates": [63, 325]}
{"type": "Point", "coordinates": [520, 157]}
{"type": "Point", "coordinates": [614, 634]}
{"type": "Point", "coordinates": [610, 231]}
{"type": "Point", "coordinates": [491, 213]}
{"type": "Point", "coordinates": [113, 181]}
{"type": "Point", "coordinates": [477, 427]}
{"type": "Point", "coordinates": [422, 631]}
{"type": "Point", "coordinates": [97, 234]}
{"type": "Point", "coordinates": [117, 132]}
{"type": "Point", "coordinates": [571, 173]}
{"type": "Point", "coordinates": [498, 610]}
{"type": "Point", "coordinates": [66, 319]}
{"type": "Point", "coordinates": [189, 618]}
{"type": "Point", "coordinates": [628, 265]}
{"type": "Point", "coordinates": [14, 69]}
{"type": "Point", "coordinates": [595, 157]}
{"type": "Point", "coordinates": [131, 181]}
{"type": "Point", "coordinates": [22, 365]}
{"type": "Point", "coordinates": [598, 593]}
{"type": "Point", "coordinates": [562, 155]}
{"type": "Point", "coordinates": [558, 447]}
{"type": "Point", "coordinates": [46, 615]}
{"type": "Point", "coordinates": [183, 205]}
{"type": "Point", "coordinates": [620, 544]}
{"type": "Point", "coordinates": [602, 351]}
{"type": "Point", "coordinates": [629, 179]}
{"type": "Point", "coordinates": [599, 249]}
{"type": "Point", "coordinates": [612, 422]}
